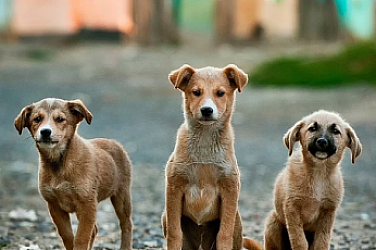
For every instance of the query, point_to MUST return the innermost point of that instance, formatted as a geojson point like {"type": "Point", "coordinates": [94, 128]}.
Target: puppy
{"type": "Point", "coordinates": [202, 175]}
{"type": "Point", "coordinates": [309, 190]}
{"type": "Point", "coordinates": [75, 174]}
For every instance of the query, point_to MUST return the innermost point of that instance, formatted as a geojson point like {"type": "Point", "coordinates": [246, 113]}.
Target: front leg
{"type": "Point", "coordinates": [175, 187]}
{"type": "Point", "coordinates": [63, 224]}
{"type": "Point", "coordinates": [294, 225]}
{"type": "Point", "coordinates": [229, 192]}
{"type": "Point", "coordinates": [86, 215]}
{"type": "Point", "coordinates": [324, 229]}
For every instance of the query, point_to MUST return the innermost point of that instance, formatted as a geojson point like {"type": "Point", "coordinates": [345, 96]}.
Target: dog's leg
{"type": "Point", "coordinates": [94, 234]}
{"type": "Point", "coordinates": [123, 209]}
{"type": "Point", "coordinates": [295, 227]}
{"type": "Point", "coordinates": [321, 240]}
{"type": "Point", "coordinates": [273, 235]}
{"type": "Point", "coordinates": [229, 190]}
{"type": "Point", "coordinates": [86, 215]}
{"type": "Point", "coordinates": [63, 224]}
{"type": "Point", "coordinates": [174, 204]}
{"type": "Point", "coordinates": [238, 235]}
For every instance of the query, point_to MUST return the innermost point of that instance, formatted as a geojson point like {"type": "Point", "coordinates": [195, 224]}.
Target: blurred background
{"type": "Point", "coordinates": [300, 55]}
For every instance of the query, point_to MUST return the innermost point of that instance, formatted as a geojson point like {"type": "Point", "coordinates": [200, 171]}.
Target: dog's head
{"type": "Point", "coordinates": [209, 92]}
{"type": "Point", "coordinates": [324, 135]}
{"type": "Point", "coordinates": [52, 122]}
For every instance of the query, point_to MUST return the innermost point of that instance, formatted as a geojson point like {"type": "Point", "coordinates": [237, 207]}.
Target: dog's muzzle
{"type": "Point", "coordinates": [322, 148]}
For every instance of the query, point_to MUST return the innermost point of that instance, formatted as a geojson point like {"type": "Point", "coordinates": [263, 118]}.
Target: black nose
{"type": "Point", "coordinates": [206, 111]}
{"type": "Point", "coordinates": [46, 132]}
{"type": "Point", "coordinates": [322, 143]}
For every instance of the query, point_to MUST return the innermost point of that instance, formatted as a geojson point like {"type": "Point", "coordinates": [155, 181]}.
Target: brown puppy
{"type": "Point", "coordinates": [310, 189]}
{"type": "Point", "coordinates": [75, 174]}
{"type": "Point", "coordinates": [202, 175]}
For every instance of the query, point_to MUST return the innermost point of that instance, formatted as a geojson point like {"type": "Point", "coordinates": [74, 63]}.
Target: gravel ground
{"type": "Point", "coordinates": [126, 89]}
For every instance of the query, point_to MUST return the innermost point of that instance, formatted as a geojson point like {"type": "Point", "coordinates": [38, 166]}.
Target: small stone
{"type": "Point", "coordinates": [138, 245]}
{"type": "Point", "coordinates": [364, 216]}
{"type": "Point", "coordinates": [23, 215]}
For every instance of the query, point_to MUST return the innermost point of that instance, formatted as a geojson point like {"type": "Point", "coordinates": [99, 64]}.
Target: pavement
{"type": "Point", "coordinates": [126, 89]}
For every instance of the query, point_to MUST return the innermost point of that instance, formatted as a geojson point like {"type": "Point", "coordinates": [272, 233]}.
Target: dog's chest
{"type": "Point", "coordinates": [63, 193]}
{"type": "Point", "coordinates": [205, 149]}
{"type": "Point", "coordinates": [201, 200]}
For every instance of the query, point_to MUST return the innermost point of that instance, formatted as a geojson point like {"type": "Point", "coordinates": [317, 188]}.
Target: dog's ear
{"type": "Point", "coordinates": [354, 144]}
{"type": "Point", "coordinates": [292, 136]}
{"type": "Point", "coordinates": [237, 78]}
{"type": "Point", "coordinates": [180, 77]}
{"type": "Point", "coordinates": [22, 120]}
{"type": "Point", "coordinates": [79, 110]}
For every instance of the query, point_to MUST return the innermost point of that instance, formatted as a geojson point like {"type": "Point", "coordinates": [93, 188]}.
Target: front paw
{"type": "Point", "coordinates": [224, 242]}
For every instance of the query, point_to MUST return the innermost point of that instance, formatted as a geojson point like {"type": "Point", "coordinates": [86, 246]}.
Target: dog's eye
{"type": "Point", "coordinates": [220, 93]}
{"type": "Point", "coordinates": [196, 92]}
{"type": "Point", "coordinates": [37, 119]}
{"type": "Point", "coordinates": [60, 119]}
{"type": "Point", "coordinates": [312, 129]}
{"type": "Point", "coordinates": [336, 131]}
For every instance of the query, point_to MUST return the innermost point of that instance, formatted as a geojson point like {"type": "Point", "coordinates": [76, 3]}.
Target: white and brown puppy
{"type": "Point", "coordinates": [202, 175]}
{"type": "Point", "coordinates": [75, 174]}
{"type": "Point", "coordinates": [309, 190]}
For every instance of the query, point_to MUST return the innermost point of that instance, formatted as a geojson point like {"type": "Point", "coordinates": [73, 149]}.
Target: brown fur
{"type": "Point", "coordinates": [75, 174]}
{"type": "Point", "coordinates": [309, 190]}
{"type": "Point", "coordinates": [202, 175]}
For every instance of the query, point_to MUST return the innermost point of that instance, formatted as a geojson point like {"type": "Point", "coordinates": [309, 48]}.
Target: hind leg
{"type": "Point", "coordinates": [274, 235]}
{"type": "Point", "coordinates": [123, 208]}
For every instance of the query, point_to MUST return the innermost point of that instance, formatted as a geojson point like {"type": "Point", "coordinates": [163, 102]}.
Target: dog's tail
{"type": "Point", "coordinates": [251, 244]}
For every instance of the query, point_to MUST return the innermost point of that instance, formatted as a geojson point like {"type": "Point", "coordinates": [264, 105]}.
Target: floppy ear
{"type": "Point", "coordinates": [354, 144]}
{"type": "Point", "coordinates": [238, 79]}
{"type": "Point", "coordinates": [22, 120]}
{"type": "Point", "coordinates": [180, 77]}
{"type": "Point", "coordinates": [79, 110]}
{"type": "Point", "coordinates": [292, 136]}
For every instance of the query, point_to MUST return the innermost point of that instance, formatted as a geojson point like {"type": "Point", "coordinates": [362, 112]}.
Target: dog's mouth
{"type": "Point", "coordinates": [322, 154]}
{"type": "Point", "coordinates": [47, 142]}
{"type": "Point", "coordinates": [207, 120]}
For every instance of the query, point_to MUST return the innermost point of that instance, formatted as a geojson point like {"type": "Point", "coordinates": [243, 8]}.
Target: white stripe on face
{"type": "Point", "coordinates": [210, 104]}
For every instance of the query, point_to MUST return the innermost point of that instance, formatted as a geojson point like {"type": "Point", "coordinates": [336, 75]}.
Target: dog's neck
{"type": "Point", "coordinates": [209, 144]}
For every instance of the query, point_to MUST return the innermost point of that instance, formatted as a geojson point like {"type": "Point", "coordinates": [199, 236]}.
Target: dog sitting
{"type": "Point", "coordinates": [309, 190]}
{"type": "Point", "coordinates": [202, 175]}
{"type": "Point", "coordinates": [75, 174]}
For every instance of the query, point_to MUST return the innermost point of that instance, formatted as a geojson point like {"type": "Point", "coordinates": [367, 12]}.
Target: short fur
{"type": "Point", "coordinates": [202, 175]}
{"type": "Point", "coordinates": [75, 174]}
{"type": "Point", "coordinates": [309, 190]}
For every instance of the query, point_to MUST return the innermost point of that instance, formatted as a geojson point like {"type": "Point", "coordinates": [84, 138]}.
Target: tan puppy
{"type": "Point", "coordinates": [310, 189]}
{"type": "Point", "coordinates": [75, 174]}
{"type": "Point", "coordinates": [202, 175]}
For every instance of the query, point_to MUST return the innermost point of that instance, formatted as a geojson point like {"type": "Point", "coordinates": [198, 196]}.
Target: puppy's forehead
{"type": "Point", "coordinates": [208, 74]}
{"type": "Point", "coordinates": [50, 104]}
{"type": "Point", "coordinates": [325, 118]}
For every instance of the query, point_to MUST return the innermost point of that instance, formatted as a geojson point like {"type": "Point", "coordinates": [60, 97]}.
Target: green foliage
{"type": "Point", "coordinates": [357, 63]}
{"type": "Point", "coordinates": [42, 55]}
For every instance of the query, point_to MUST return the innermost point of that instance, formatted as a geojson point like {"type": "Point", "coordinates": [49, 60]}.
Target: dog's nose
{"type": "Point", "coordinates": [46, 132]}
{"type": "Point", "coordinates": [206, 111]}
{"type": "Point", "coordinates": [322, 143]}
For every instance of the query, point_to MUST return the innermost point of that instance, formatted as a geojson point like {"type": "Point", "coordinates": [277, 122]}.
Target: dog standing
{"type": "Point", "coordinates": [309, 190]}
{"type": "Point", "coordinates": [75, 174]}
{"type": "Point", "coordinates": [202, 175]}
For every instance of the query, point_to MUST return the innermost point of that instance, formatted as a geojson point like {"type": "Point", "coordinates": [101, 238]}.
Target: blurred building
{"type": "Point", "coordinates": [156, 21]}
